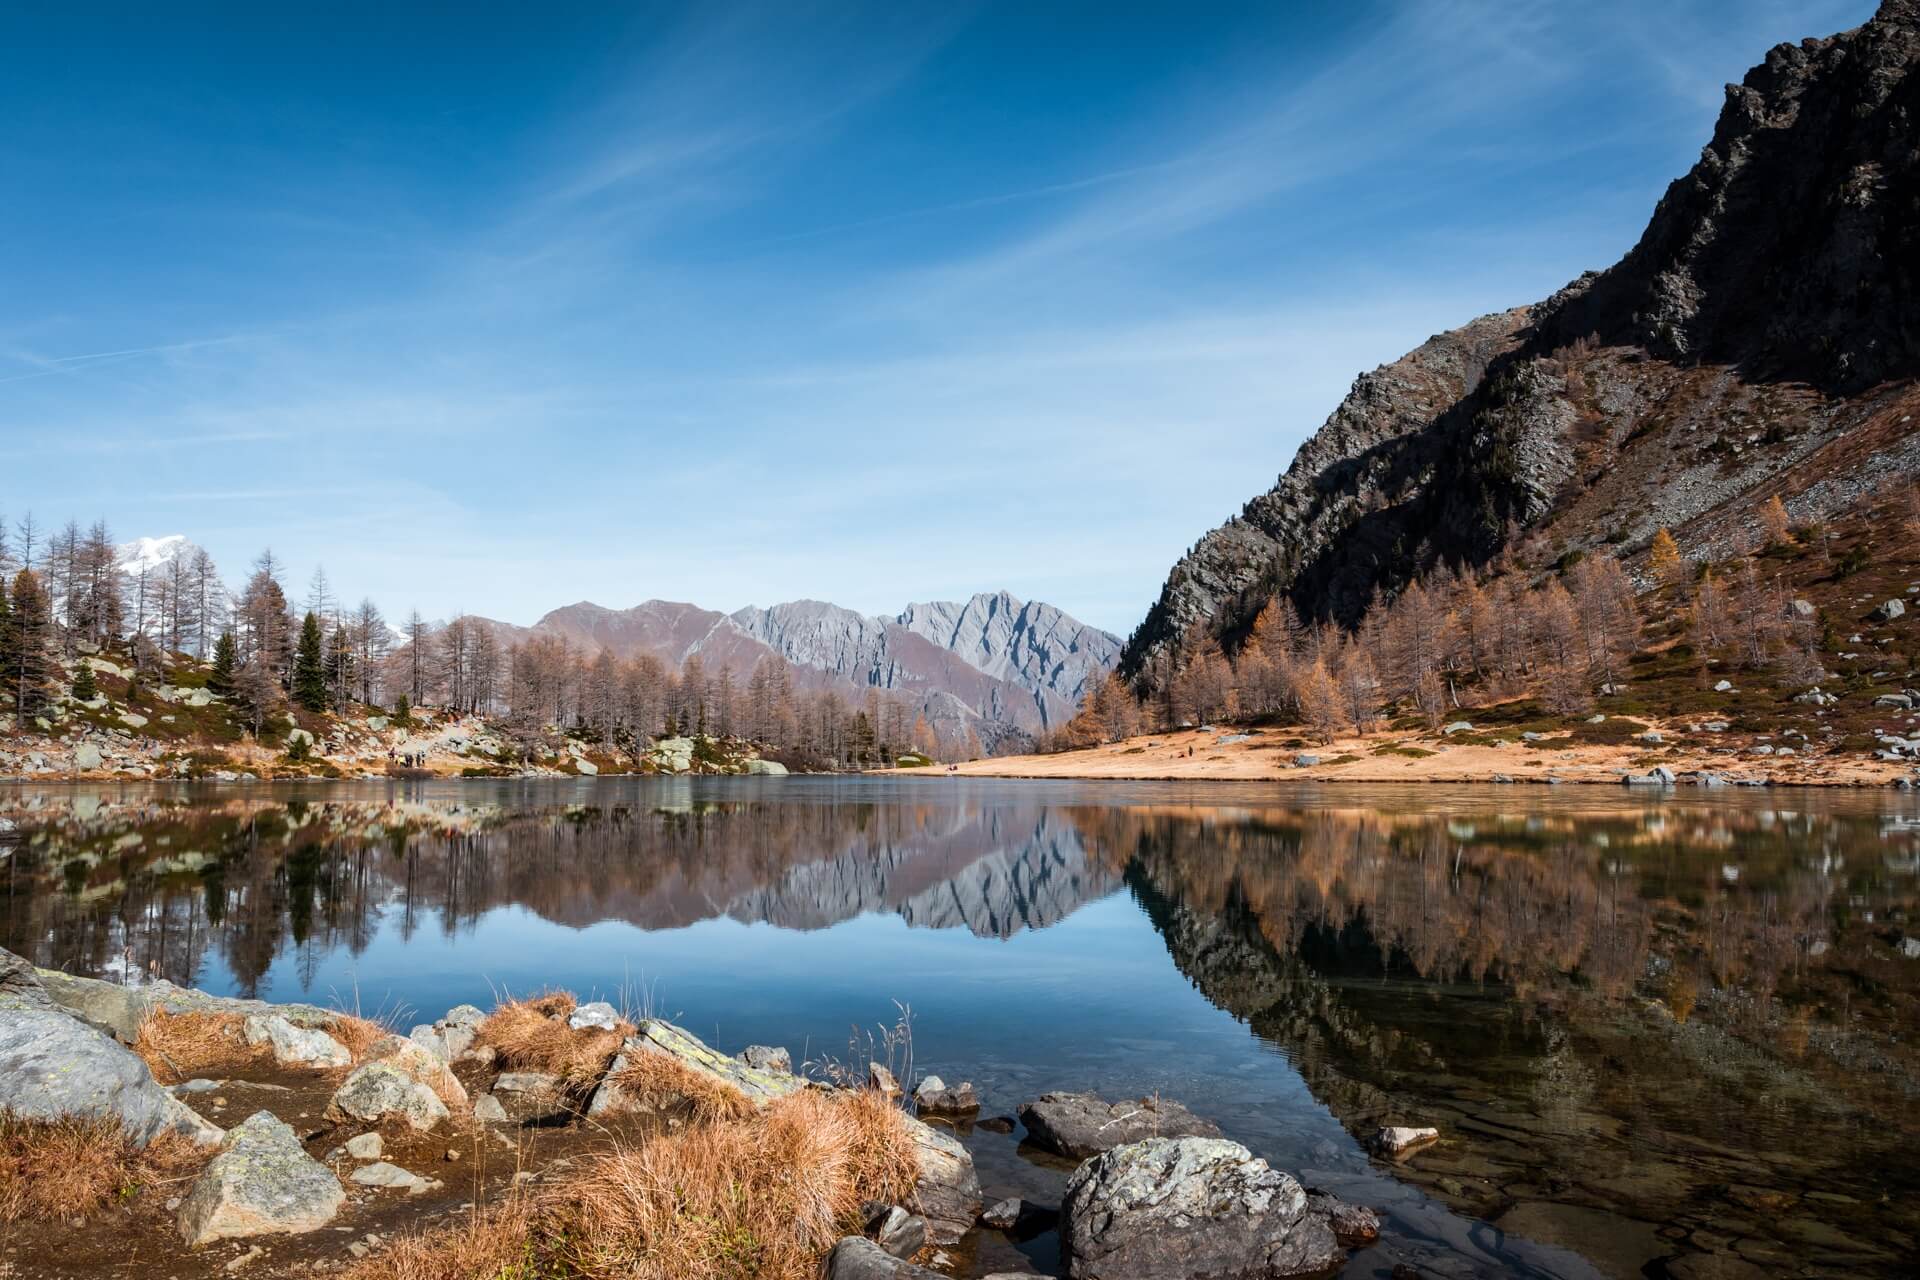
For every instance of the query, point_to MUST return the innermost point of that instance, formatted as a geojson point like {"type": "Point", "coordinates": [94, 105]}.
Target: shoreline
{"type": "Point", "coordinates": [1220, 754]}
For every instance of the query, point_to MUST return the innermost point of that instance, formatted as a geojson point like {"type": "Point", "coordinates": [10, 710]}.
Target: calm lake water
{"type": "Point", "coordinates": [1664, 1035]}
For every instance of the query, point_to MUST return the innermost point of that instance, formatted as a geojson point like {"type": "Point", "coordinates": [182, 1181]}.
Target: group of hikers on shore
{"type": "Point", "coordinates": [407, 759]}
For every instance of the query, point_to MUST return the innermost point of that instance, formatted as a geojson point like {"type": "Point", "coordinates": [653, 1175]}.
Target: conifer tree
{"type": "Point", "coordinates": [85, 689]}
{"type": "Point", "coordinates": [30, 657]}
{"type": "Point", "coordinates": [309, 667]}
{"type": "Point", "coordinates": [1663, 557]}
{"type": "Point", "coordinates": [226, 660]}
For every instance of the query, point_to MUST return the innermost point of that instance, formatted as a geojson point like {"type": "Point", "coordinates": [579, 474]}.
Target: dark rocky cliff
{"type": "Point", "coordinates": [1761, 338]}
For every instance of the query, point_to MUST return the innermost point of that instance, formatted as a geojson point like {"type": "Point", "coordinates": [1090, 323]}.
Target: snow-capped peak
{"type": "Point", "coordinates": [147, 554]}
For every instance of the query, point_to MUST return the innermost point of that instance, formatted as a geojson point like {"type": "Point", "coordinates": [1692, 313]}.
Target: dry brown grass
{"type": "Point", "coordinates": [66, 1169]}
{"type": "Point", "coordinates": [761, 1197]}
{"type": "Point", "coordinates": [181, 1046]}
{"type": "Point", "coordinates": [356, 1034]}
{"type": "Point", "coordinates": [499, 1243]}
{"type": "Point", "coordinates": [533, 1035]}
{"type": "Point", "coordinates": [660, 1080]}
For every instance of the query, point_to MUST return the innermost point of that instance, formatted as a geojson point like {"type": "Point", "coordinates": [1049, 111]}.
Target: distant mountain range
{"type": "Point", "coordinates": [1004, 668]}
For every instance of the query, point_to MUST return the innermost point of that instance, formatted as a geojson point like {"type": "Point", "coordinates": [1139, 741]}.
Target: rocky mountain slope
{"type": "Point", "coordinates": [1761, 338]}
{"type": "Point", "coordinates": [154, 556]}
{"type": "Point", "coordinates": [1004, 668]}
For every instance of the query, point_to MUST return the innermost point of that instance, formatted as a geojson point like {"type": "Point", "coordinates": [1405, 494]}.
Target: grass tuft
{"type": "Point", "coordinates": [762, 1197]}
{"type": "Point", "coordinates": [659, 1079]}
{"type": "Point", "coordinates": [182, 1046]}
{"type": "Point", "coordinates": [63, 1170]}
{"type": "Point", "coordinates": [533, 1035]}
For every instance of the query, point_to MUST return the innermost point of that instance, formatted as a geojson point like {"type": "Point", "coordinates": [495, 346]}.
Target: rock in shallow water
{"type": "Point", "coordinates": [933, 1097]}
{"type": "Point", "coordinates": [1079, 1125]}
{"type": "Point", "coordinates": [1189, 1209]}
{"type": "Point", "coordinates": [261, 1183]}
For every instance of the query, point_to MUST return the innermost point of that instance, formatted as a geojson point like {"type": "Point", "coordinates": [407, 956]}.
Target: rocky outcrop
{"type": "Point", "coordinates": [119, 1008]}
{"type": "Point", "coordinates": [54, 1066]}
{"type": "Point", "coordinates": [1078, 1125]}
{"type": "Point", "coordinates": [261, 1183]}
{"type": "Point", "coordinates": [1189, 1209]}
{"type": "Point", "coordinates": [1668, 391]}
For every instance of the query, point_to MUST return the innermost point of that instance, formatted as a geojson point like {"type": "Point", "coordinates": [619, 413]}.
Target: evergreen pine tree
{"type": "Point", "coordinates": [226, 660]}
{"type": "Point", "coordinates": [30, 658]}
{"type": "Point", "coordinates": [84, 687]}
{"type": "Point", "coordinates": [309, 667]}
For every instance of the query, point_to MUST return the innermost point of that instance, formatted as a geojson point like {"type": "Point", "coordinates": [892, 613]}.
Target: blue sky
{"type": "Point", "coordinates": [494, 308]}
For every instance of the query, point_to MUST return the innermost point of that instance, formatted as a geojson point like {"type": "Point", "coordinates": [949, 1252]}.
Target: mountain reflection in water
{"type": "Point", "coordinates": [1664, 1035]}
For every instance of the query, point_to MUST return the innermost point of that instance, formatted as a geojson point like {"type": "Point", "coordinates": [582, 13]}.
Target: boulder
{"type": "Point", "coordinates": [366, 1146]}
{"type": "Point", "coordinates": [766, 1058]}
{"type": "Point", "coordinates": [420, 1064]}
{"type": "Point", "coordinates": [1079, 1125]}
{"type": "Point", "coordinates": [20, 984]}
{"type": "Point", "coordinates": [1354, 1226]}
{"type": "Point", "coordinates": [947, 1192]}
{"type": "Point", "coordinates": [539, 1083]}
{"type": "Point", "coordinates": [587, 767]}
{"type": "Point", "coordinates": [934, 1098]}
{"type": "Point", "coordinates": [379, 1091]}
{"type": "Point", "coordinates": [261, 1183]}
{"type": "Point", "coordinates": [900, 1233]}
{"type": "Point", "coordinates": [487, 1110]}
{"type": "Point", "coordinates": [294, 1046]}
{"type": "Point", "coordinates": [1189, 1209]}
{"type": "Point", "coordinates": [1888, 610]}
{"type": "Point", "coordinates": [86, 757]}
{"type": "Point", "coordinates": [656, 1036]}
{"type": "Point", "coordinates": [450, 1036]}
{"type": "Point", "coordinates": [858, 1258]}
{"type": "Point", "coordinates": [599, 1015]}
{"type": "Point", "coordinates": [1458, 726]}
{"type": "Point", "coordinates": [119, 1009]}
{"type": "Point", "coordinates": [52, 1065]}
{"type": "Point", "coordinates": [767, 768]}
{"type": "Point", "coordinates": [880, 1078]}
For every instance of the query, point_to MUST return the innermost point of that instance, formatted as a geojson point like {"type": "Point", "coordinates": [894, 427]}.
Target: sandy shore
{"type": "Point", "coordinates": [1223, 754]}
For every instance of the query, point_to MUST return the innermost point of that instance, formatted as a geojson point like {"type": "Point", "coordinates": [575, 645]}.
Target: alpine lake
{"type": "Point", "coordinates": [1666, 1033]}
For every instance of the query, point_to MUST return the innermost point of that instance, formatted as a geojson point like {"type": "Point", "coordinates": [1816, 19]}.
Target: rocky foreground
{"type": "Point", "coordinates": [351, 1136]}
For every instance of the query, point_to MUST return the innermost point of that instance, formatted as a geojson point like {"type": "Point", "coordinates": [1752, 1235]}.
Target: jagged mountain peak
{"type": "Point", "coordinates": [1757, 339]}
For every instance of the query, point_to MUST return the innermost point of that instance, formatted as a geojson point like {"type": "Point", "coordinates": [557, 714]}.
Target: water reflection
{"type": "Point", "coordinates": [1670, 1035]}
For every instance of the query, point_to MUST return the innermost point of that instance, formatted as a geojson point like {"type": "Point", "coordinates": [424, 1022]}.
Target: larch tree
{"type": "Point", "coordinates": [1663, 558]}
{"type": "Point", "coordinates": [1774, 522]}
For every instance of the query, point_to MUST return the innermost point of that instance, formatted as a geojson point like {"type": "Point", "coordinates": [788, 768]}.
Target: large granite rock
{"type": "Point", "coordinates": [759, 1085]}
{"type": "Point", "coordinates": [449, 1037]}
{"type": "Point", "coordinates": [294, 1046]}
{"type": "Point", "coordinates": [52, 1066]}
{"type": "Point", "coordinates": [1189, 1209]}
{"type": "Point", "coordinates": [375, 1092]}
{"type": "Point", "coordinates": [1078, 1125]}
{"type": "Point", "coordinates": [419, 1064]}
{"type": "Point", "coordinates": [947, 1192]}
{"type": "Point", "coordinates": [261, 1183]}
{"type": "Point", "coordinates": [118, 1008]}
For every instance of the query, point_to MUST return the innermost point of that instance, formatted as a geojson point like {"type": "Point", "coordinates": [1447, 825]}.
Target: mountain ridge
{"type": "Point", "coordinates": [1760, 338]}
